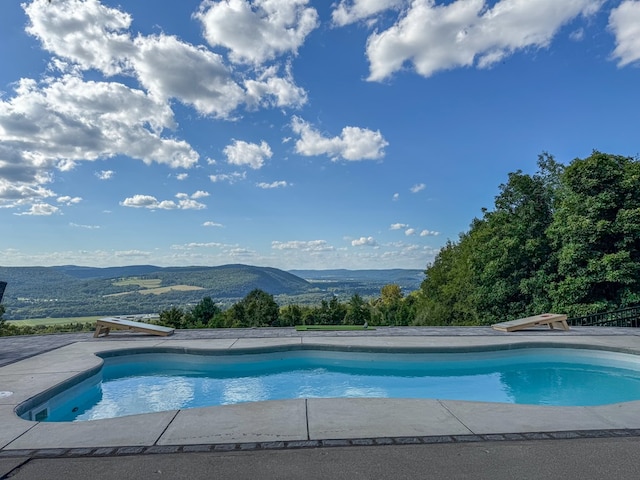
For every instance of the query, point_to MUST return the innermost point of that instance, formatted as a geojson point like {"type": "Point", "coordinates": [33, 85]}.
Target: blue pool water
{"type": "Point", "coordinates": [145, 383]}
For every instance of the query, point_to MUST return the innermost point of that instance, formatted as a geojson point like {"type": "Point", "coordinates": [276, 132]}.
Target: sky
{"type": "Point", "coordinates": [294, 134]}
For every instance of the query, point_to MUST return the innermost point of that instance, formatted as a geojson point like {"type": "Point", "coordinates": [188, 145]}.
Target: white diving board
{"type": "Point", "coordinates": [105, 325]}
{"type": "Point", "coordinates": [553, 320]}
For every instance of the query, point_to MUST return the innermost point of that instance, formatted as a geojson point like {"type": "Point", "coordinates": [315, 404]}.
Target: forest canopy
{"type": "Point", "coordinates": [565, 239]}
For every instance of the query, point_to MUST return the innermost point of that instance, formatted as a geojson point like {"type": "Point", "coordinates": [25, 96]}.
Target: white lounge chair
{"type": "Point", "coordinates": [553, 320]}
{"type": "Point", "coordinates": [105, 325]}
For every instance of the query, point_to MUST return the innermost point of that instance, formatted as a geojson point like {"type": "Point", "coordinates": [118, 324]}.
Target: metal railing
{"type": "Point", "coordinates": [624, 317]}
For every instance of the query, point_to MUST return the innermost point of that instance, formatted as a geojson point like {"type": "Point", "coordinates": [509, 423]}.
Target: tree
{"type": "Point", "coordinates": [446, 293]}
{"type": "Point", "coordinates": [172, 317]}
{"type": "Point", "coordinates": [328, 313]}
{"type": "Point", "coordinates": [566, 239]}
{"type": "Point", "coordinates": [512, 258]}
{"type": "Point", "coordinates": [391, 294]}
{"type": "Point", "coordinates": [407, 313]}
{"type": "Point", "coordinates": [290, 315]}
{"type": "Point", "coordinates": [358, 312]}
{"type": "Point", "coordinates": [260, 309]}
{"type": "Point", "coordinates": [336, 312]}
{"type": "Point", "coordinates": [502, 266]}
{"type": "Point", "coordinates": [596, 232]}
{"type": "Point", "coordinates": [204, 312]}
{"type": "Point", "coordinates": [389, 304]}
{"type": "Point", "coordinates": [234, 317]}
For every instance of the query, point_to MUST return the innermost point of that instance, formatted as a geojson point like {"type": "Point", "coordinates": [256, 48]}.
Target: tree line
{"type": "Point", "coordinates": [259, 309]}
{"type": "Point", "coordinates": [565, 239]}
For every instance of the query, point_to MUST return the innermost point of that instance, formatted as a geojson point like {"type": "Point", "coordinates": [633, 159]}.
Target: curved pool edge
{"type": "Point", "coordinates": [302, 419]}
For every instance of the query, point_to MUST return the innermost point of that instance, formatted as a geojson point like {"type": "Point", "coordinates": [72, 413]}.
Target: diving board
{"type": "Point", "coordinates": [553, 320]}
{"type": "Point", "coordinates": [105, 325]}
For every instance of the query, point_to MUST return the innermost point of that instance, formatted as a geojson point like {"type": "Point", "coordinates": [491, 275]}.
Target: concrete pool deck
{"type": "Point", "coordinates": [294, 423]}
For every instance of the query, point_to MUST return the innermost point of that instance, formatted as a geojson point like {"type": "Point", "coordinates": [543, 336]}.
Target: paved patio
{"type": "Point", "coordinates": [31, 365]}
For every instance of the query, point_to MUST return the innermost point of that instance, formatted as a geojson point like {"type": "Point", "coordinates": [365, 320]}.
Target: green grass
{"type": "Point", "coordinates": [33, 322]}
{"type": "Point", "coordinates": [331, 327]}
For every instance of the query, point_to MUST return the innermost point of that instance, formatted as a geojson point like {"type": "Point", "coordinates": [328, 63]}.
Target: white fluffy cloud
{"type": "Point", "coordinates": [185, 202]}
{"type": "Point", "coordinates": [18, 193]}
{"type": "Point", "coordinates": [257, 31]}
{"type": "Point", "coordinates": [212, 224]}
{"type": "Point", "coordinates": [69, 119]}
{"type": "Point", "coordinates": [269, 89]}
{"type": "Point", "coordinates": [58, 122]}
{"type": "Point", "coordinates": [87, 34]}
{"type": "Point", "coordinates": [418, 188]}
{"type": "Point", "coordinates": [305, 246]}
{"type": "Point", "coordinates": [40, 209]}
{"type": "Point", "coordinates": [398, 226]}
{"type": "Point", "coordinates": [410, 231]}
{"type": "Point", "coordinates": [228, 177]}
{"type": "Point", "coordinates": [464, 33]}
{"type": "Point", "coordinates": [105, 174]}
{"type": "Point", "coordinates": [350, 11]}
{"type": "Point", "coordinates": [276, 184]}
{"type": "Point", "coordinates": [198, 194]}
{"type": "Point", "coordinates": [67, 200]}
{"type": "Point", "coordinates": [84, 32]}
{"type": "Point", "coordinates": [55, 123]}
{"type": "Point", "coordinates": [354, 143]}
{"type": "Point", "coordinates": [624, 21]}
{"type": "Point", "coordinates": [250, 154]}
{"type": "Point", "coordinates": [161, 63]}
{"type": "Point", "coordinates": [364, 241]}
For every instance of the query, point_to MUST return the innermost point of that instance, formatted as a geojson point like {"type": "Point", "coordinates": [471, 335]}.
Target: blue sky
{"type": "Point", "coordinates": [293, 133]}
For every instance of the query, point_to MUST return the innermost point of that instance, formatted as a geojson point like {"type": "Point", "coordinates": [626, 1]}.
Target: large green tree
{"type": "Point", "coordinates": [389, 305]}
{"type": "Point", "coordinates": [358, 312]}
{"type": "Point", "coordinates": [203, 313]}
{"type": "Point", "coordinates": [235, 316]}
{"type": "Point", "coordinates": [596, 233]}
{"type": "Point", "coordinates": [260, 309]}
{"type": "Point", "coordinates": [172, 317]}
{"type": "Point", "coordinates": [330, 312]}
{"type": "Point", "coordinates": [565, 239]}
{"type": "Point", "coordinates": [447, 293]}
{"type": "Point", "coordinates": [290, 315]}
{"type": "Point", "coordinates": [512, 260]}
{"type": "Point", "coordinates": [501, 267]}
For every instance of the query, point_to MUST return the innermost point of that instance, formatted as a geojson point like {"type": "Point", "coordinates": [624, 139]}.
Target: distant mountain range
{"type": "Point", "coordinates": [70, 290]}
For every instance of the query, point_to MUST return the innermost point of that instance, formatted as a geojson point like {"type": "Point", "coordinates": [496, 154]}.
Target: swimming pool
{"type": "Point", "coordinates": [154, 381]}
